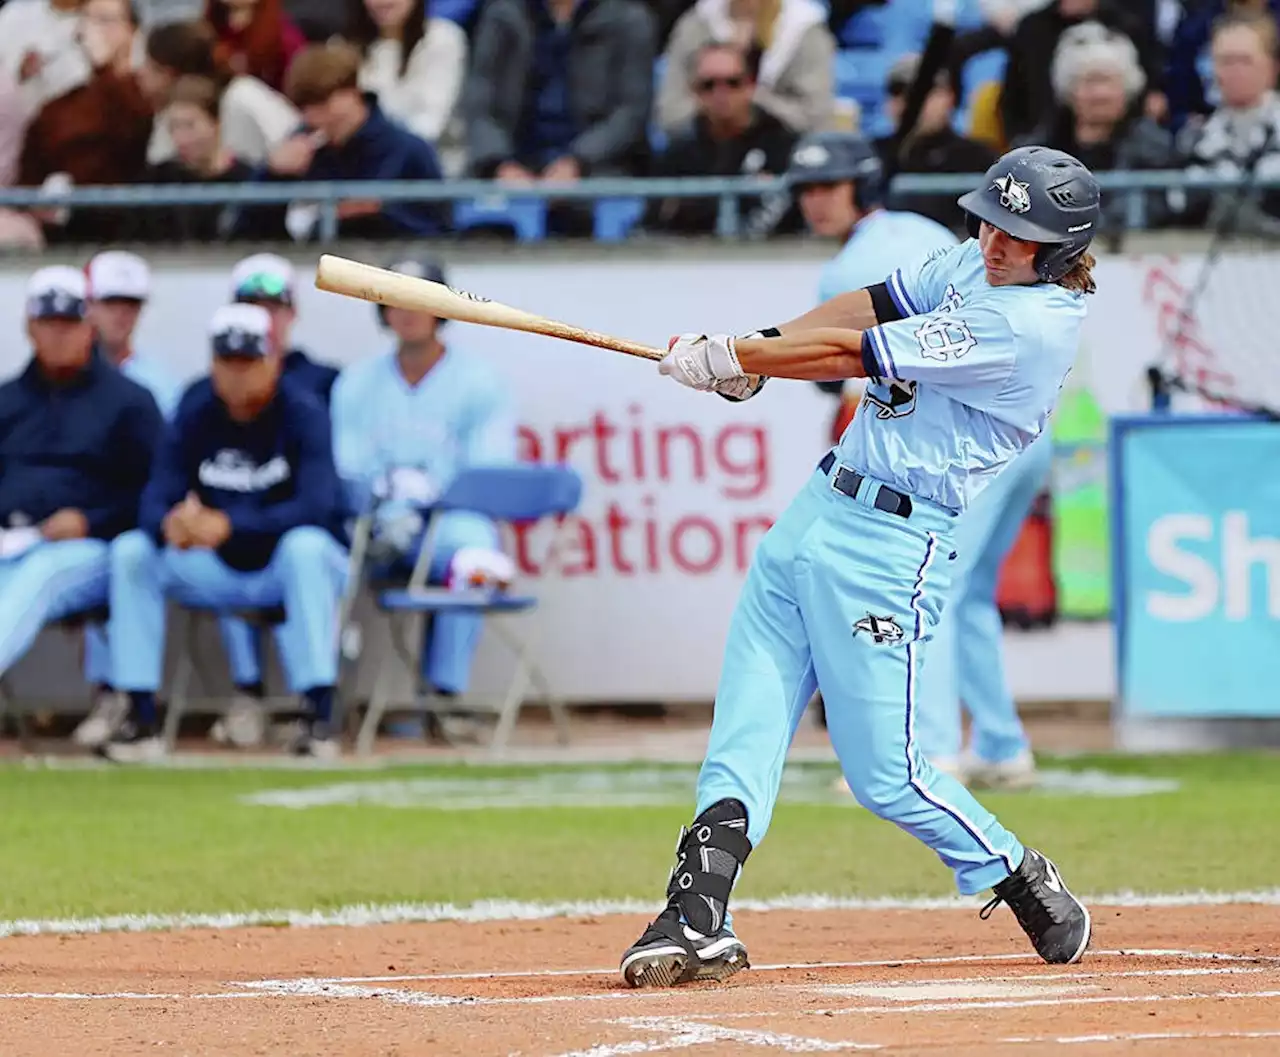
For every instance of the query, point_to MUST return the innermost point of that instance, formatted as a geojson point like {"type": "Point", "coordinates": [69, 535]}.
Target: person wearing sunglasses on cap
{"type": "Point", "coordinates": [243, 510]}
{"type": "Point", "coordinates": [404, 424]}
{"type": "Point", "coordinates": [268, 281]}
{"type": "Point", "coordinates": [76, 444]}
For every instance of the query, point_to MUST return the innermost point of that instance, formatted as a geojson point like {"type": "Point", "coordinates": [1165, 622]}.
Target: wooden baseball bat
{"type": "Point", "coordinates": [339, 275]}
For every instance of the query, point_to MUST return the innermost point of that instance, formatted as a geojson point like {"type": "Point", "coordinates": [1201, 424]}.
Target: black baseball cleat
{"type": "Point", "coordinates": [1057, 923]}
{"type": "Point", "coordinates": [670, 952]}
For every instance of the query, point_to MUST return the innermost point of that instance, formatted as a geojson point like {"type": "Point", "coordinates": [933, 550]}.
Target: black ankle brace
{"type": "Point", "coordinates": [709, 855]}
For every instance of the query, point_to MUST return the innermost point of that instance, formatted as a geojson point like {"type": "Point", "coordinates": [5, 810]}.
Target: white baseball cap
{"type": "Point", "coordinates": [56, 292]}
{"type": "Point", "coordinates": [242, 331]}
{"type": "Point", "coordinates": [118, 274]}
{"type": "Point", "coordinates": [263, 277]}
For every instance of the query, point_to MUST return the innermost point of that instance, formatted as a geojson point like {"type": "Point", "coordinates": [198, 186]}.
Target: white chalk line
{"type": "Point", "coordinates": [1137, 1036]}
{"type": "Point", "coordinates": [683, 1034]}
{"type": "Point", "coordinates": [356, 986]}
{"type": "Point", "coordinates": [500, 910]}
{"type": "Point", "coordinates": [879, 963]}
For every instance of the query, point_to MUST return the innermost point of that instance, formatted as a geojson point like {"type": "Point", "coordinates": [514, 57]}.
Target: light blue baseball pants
{"type": "Point", "coordinates": [306, 574]}
{"type": "Point", "coordinates": [829, 563]}
{"type": "Point", "coordinates": [451, 638]}
{"type": "Point", "coordinates": [965, 662]}
{"type": "Point", "coordinates": [50, 581]}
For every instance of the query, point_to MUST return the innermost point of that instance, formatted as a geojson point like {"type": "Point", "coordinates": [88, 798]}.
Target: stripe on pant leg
{"type": "Point", "coordinates": [931, 550]}
{"type": "Point", "coordinates": [66, 580]}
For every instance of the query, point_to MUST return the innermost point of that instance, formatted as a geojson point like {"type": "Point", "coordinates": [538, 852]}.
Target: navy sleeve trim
{"type": "Point", "coordinates": [883, 304]}
{"type": "Point", "coordinates": [870, 362]}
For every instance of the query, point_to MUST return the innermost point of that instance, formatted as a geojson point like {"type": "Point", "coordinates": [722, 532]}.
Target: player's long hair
{"type": "Point", "coordinates": [1080, 279]}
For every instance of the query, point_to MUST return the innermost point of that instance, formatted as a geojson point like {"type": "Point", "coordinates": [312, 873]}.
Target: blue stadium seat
{"type": "Point", "coordinates": [526, 217]}
{"type": "Point", "coordinates": [981, 68]}
{"type": "Point", "coordinates": [860, 75]}
{"type": "Point", "coordinates": [615, 217]}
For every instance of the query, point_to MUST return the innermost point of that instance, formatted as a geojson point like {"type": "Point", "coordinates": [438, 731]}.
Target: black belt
{"type": "Point", "coordinates": [849, 481]}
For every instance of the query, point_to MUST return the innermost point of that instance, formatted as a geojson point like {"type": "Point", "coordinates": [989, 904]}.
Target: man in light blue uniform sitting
{"type": "Point", "coordinates": [966, 354]}
{"type": "Point", "coordinates": [404, 424]}
{"type": "Point", "coordinates": [119, 286]}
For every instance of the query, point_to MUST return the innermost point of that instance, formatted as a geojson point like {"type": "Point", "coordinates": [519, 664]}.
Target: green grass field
{"type": "Point", "coordinates": [79, 842]}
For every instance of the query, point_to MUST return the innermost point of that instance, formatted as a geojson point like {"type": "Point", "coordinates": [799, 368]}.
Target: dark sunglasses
{"type": "Point", "coordinates": [707, 84]}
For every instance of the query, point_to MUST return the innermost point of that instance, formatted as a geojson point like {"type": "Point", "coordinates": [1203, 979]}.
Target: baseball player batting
{"type": "Point", "coordinates": [967, 350]}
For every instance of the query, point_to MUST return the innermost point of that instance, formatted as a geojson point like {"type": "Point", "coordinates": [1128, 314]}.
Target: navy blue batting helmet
{"type": "Point", "coordinates": [419, 268]}
{"type": "Point", "coordinates": [1043, 195]}
{"type": "Point", "coordinates": [831, 157]}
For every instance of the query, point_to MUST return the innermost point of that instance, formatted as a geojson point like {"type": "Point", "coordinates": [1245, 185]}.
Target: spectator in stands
{"type": "Point", "coordinates": [346, 136]}
{"type": "Point", "coordinates": [77, 449]}
{"type": "Point", "coordinates": [1244, 132]}
{"type": "Point", "coordinates": [932, 145]}
{"type": "Point", "coordinates": [415, 65]}
{"type": "Point", "coordinates": [242, 510]}
{"type": "Point", "coordinates": [254, 38]}
{"type": "Point", "coordinates": [1099, 83]}
{"type": "Point", "coordinates": [730, 136]}
{"type": "Point", "coordinates": [1190, 59]}
{"type": "Point", "coordinates": [202, 156]}
{"type": "Point", "coordinates": [1027, 96]}
{"type": "Point", "coordinates": [796, 82]}
{"type": "Point", "coordinates": [40, 50]}
{"type": "Point", "coordinates": [253, 119]}
{"type": "Point", "coordinates": [405, 423]}
{"type": "Point", "coordinates": [96, 133]}
{"type": "Point", "coordinates": [118, 284]}
{"type": "Point", "coordinates": [559, 89]}
{"type": "Point", "coordinates": [267, 281]}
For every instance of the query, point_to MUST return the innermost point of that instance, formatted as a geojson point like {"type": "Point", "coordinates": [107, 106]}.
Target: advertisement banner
{"type": "Point", "coordinates": [1198, 569]}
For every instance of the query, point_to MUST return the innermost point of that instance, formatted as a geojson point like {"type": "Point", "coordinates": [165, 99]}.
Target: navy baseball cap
{"type": "Point", "coordinates": [240, 332]}
{"type": "Point", "coordinates": [57, 292]}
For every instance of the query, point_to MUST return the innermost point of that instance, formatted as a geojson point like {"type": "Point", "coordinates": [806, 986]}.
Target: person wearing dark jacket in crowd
{"type": "Point", "coordinates": [730, 136]}
{"type": "Point", "coordinates": [559, 90]}
{"type": "Point", "coordinates": [346, 136]}
{"type": "Point", "coordinates": [243, 509]}
{"type": "Point", "coordinates": [76, 442]}
{"type": "Point", "coordinates": [933, 145]}
{"type": "Point", "coordinates": [1027, 96]}
{"type": "Point", "coordinates": [1098, 82]}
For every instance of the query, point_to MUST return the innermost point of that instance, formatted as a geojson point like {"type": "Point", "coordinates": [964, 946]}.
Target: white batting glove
{"type": "Point", "coordinates": [740, 389]}
{"type": "Point", "coordinates": [700, 361]}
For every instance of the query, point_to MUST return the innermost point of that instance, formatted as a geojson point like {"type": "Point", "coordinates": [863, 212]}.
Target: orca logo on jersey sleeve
{"type": "Point", "coordinates": [895, 399]}
{"type": "Point", "coordinates": [944, 337]}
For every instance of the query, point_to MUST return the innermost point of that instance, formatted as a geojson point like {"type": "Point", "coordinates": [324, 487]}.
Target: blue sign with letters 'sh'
{"type": "Point", "coordinates": [1196, 558]}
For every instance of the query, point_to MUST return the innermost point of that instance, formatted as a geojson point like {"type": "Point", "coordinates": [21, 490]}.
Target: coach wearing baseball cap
{"type": "Point", "coordinates": [242, 511]}
{"type": "Point", "coordinates": [119, 285]}
{"type": "Point", "coordinates": [76, 448]}
{"type": "Point", "coordinates": [267, 279]}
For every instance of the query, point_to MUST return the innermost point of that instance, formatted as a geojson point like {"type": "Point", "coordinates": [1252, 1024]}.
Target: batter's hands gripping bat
{"type": "Point", "coordinates": [339, 275]}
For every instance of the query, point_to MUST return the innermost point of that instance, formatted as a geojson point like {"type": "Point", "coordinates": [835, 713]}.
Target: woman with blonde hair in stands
{"type": "Point", "coordinates": [796, 81]}
{"type": "Point", "coordinates": [415, 65]}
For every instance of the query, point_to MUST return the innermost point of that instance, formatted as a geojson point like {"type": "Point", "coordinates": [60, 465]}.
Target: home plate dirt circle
{"type": "Point", "coordinates": [1160, 980]}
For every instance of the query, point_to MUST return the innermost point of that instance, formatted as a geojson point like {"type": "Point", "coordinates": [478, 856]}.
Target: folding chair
{"type": "Point", "coordinates": [515, 495]}
{"type": "Point", "coordinates": [266, 620]}
{"type": "Point", "coordinates": [11, 707]}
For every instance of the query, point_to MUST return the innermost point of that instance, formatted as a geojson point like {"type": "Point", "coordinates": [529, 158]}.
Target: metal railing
{"type": "Point", "coordinates": [729, 190]}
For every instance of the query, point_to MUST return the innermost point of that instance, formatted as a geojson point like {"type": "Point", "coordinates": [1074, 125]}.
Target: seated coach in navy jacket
{"type": "Point", "coordinates": [76, 441]}
{"type": "Point", "coordinates": [242, 511]}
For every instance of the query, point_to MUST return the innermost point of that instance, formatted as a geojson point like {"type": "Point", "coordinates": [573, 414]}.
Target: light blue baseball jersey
{"type": "Point", "coordinates": [880, 241]}
{"type": "Point", "coordinates": [964, 382]}
{"type": "Point", "coordinates": [458, 415]}
{"type": "Point", "coordinates": [153, 377]}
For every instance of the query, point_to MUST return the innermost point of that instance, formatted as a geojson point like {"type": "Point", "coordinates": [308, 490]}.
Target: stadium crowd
{"type": "Point", "coordinates": [102, 92]}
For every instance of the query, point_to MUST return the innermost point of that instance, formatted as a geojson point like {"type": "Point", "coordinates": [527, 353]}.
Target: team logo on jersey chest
{"type": "Point", "coordinates": [881, 629]}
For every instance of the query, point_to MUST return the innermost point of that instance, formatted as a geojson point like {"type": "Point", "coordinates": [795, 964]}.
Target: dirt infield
{"type": "Point", "coordinates": [1161, 981]}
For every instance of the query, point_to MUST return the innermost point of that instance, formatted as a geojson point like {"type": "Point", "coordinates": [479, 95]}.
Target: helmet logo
{"type": "Point", "coordinates": [811, 155]}
{"type": "Point", "coordinates": [1015, 195]}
